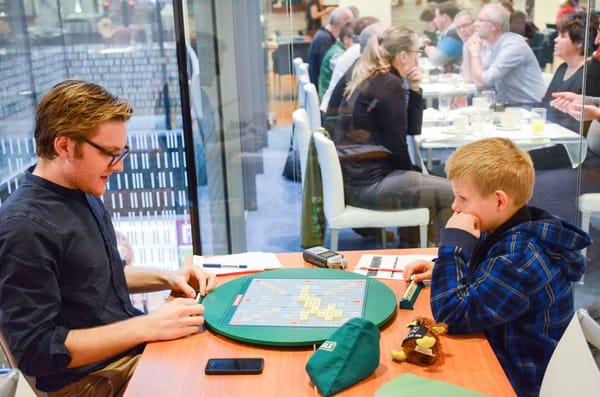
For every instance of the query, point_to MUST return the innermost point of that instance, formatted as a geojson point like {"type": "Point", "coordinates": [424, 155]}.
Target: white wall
{"type": "Point", "coordinates": [381, 9]}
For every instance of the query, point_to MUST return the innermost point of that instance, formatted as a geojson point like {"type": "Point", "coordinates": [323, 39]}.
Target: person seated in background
{"type": "Point", "coordinates": [382, 104]}
{"type": "Point", "coordinates": [503, 268]}
{"type": "Point", "coordinates": [324, 39]}
{"type": "Point", "coordinates": [347, 59]}
{"type": "Point", "coordinates": [501, 60]}
{"type": "Point", "coordinates": [430, 32]}
{"type": "Point", "coordinates": [447, 53]}
{"type": "Point", "coordinates": [315, 11]}
{"type": "Point", "coordinates": [570, 46]}
{"type": "Point", "coordinates": [343, 42]}
{"type": "Point", "coordinates": [565, 8]}
{"type": "Point", "coordinates": [65, 307]}
{"type": "Point", "coordinates": [521, 24]}
{"type": "Point", "coordinates": [337, 93]}
{"type": "Point", "coordinates": [464, 24]}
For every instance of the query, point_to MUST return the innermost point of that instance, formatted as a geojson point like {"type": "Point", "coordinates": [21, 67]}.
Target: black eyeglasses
{"type": "Point", "coordinates": [115, 157]}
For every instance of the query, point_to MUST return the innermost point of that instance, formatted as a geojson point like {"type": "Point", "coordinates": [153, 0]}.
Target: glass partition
{"type": "Point", "coordinates": [241, 93]}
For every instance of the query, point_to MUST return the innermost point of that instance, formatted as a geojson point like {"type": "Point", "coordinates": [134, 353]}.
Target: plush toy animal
{"type": "Point", "coordinates": [421, 345]}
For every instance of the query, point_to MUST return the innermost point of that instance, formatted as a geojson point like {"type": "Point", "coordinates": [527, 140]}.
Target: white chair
{"type": "Point", "coordinates": [302, 132]}
{"type": "Point", "coordinates": [8, 384]}
{"type": "Point", "coordinates": [302, 81]}
{"type": "Point", "coordinates": [339, 215]}
{"type": "Point", "coordinates": [297, 62]}
{"type": "Point", "coordinates": [588, 204]}
{"type": "Point", "coordinates": [303, 69]}
{"type": "Point", "coordinates": [312, 106]}
{"type": "Point", "coordinates": [24, 389]}
{"type": "Point", "coordinates": [572, 369]}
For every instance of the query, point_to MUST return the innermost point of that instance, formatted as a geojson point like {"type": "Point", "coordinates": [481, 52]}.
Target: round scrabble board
{"type": "Point", "coordinates": [295, 307]}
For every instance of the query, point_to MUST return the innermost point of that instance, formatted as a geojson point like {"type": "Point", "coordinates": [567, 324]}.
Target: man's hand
{"type": "Point", "coordinates": [474, 45]}
{"type": "Point", "coordinates": [185, 279]}
{"type": "Point", "coordinates": [467, 222]}
{"type": "Point", "coordinates": [419, 270]}
{"type": "Point", "coordinates": [175, 319]}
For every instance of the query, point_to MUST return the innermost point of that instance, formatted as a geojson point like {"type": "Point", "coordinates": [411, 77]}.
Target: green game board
{"type": "Point", "coordinates": [295, 307]}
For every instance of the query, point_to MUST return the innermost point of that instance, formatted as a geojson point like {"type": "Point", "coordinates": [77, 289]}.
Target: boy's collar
{"type": "Point", "coordinates": [522, 215]}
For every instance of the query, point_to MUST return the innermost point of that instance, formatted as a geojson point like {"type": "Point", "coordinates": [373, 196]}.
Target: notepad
{"type": "Point", "coordinates": [410, 385]}
{"type": "Point", "coordinates": [386, 266]}
{"type": "Point", "coordinates": [246, 262]}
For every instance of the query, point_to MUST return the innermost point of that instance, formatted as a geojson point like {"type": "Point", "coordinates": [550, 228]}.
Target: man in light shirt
{"type": "Point", "coordinates": [501, 60]}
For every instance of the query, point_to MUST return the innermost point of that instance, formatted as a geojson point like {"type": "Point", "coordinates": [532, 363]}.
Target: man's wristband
{"type": "Point", "coordinates": [475, 55]}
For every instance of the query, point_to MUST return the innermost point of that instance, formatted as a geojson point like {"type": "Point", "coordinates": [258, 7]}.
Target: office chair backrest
{"type": "Point", "coordinates": [302, 135]}
{"type": "Point", "coordinates": [551, 157]}
{"type": "Point", "coordinates": [572, 366]}
{"type": "Point", "coordinates": [331, 176]}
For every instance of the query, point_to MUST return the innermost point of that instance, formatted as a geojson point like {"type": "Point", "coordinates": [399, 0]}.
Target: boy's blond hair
{"type": "Point", "coordinates": [494, 164]}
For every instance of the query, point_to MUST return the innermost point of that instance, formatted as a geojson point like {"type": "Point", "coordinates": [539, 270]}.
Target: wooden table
{"type": "Point", "coordinates": [176, 368]}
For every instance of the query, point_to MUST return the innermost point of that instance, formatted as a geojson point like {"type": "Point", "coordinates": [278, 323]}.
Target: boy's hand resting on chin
{"type": "Point", "coordinates": [467, 222]}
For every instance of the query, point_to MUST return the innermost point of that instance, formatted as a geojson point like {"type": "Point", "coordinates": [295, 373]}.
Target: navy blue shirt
{"type": "Point", "coordinates": [316, 52]}
{"type": "Point", "coordinates": [60, 269]}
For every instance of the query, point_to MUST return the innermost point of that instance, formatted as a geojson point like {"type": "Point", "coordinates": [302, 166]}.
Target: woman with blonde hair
{"type": "Point", "coordinates": [383, 104]}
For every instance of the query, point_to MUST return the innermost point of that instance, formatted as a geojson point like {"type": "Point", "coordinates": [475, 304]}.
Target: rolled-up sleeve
{"type": "Point", "coordinates": [30, 298]}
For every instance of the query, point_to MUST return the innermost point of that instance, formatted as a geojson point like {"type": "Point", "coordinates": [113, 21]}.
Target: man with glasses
{"type": "Point", "coordinates": [448, 50]}
{"type": "Point", "coordinates": [65, 307]}
{"type": "Point", "coordinates": [501, 60]}
{"type": "Point", "coordinates": [463, 21]}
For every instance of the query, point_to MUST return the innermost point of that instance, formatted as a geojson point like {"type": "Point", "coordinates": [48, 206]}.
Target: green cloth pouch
{"type": "Point", "coordinates": [349, 355]}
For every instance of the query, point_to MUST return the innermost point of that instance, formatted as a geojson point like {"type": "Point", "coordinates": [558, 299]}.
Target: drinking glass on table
{"type": "Point", "coordinates": [490, 96]}
{"type": "Point", "coordinates": [538, 120]}
{"type": "Point", "coordinates": [444, 103]}
{"type": "Point", "coordinates": [511, 118]}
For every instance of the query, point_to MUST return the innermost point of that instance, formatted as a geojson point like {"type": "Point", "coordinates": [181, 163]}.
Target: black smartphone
{"type": "Point", "coordinates": [233, 366]}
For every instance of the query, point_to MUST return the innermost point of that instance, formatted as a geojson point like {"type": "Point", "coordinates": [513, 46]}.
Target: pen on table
{"type": "Point", "coordinates": [222, 266]}
{"type": "Point", "coordinates": [199, 299]}
{"type": "Point", "coordinates": [381, 269]}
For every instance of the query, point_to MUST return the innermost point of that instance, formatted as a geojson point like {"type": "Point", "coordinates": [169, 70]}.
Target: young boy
{"type": "Point", "coordinates": [504, 268]}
